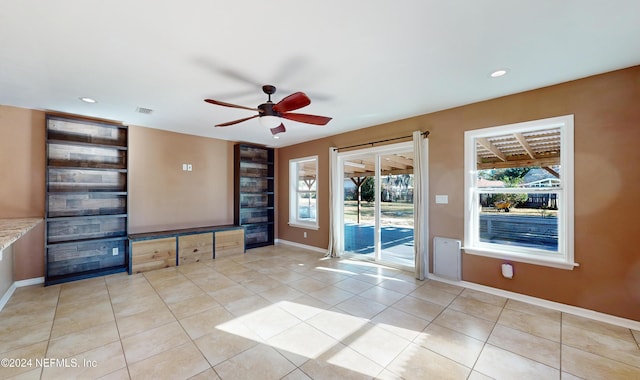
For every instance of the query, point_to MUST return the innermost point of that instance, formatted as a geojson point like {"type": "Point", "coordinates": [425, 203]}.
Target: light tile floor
{"type": "Point", "coordinates": [284, 313]}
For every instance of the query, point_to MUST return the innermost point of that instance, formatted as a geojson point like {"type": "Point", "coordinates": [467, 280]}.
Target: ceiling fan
{"type": "Point", "coordinates": [270, 113]}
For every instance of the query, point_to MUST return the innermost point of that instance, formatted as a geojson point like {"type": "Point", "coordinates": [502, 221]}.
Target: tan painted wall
{"type": "Point", "coordinates": [607, 181]}
{"type": "Point", "coordinates": [162, 196]}
{"type": "Point", "coordinates": [22, 173]}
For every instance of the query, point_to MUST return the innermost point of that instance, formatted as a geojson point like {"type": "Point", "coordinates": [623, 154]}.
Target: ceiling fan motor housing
{"type": "Point", "coordinates": [266, 109]}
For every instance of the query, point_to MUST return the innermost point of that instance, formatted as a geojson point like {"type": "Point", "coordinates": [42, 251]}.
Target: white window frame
{"type": "Point", "coordinates": [294, 221]}
{"type": "Point", "coordinates": [564, 258]}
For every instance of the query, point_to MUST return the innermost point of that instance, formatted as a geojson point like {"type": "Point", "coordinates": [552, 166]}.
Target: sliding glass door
{"type": "Point", "coordinates": [396, 208]}
{"type": "Point", "coordinates": [377, 193]}
{"type": "Point", "coordinates": [359, 205]}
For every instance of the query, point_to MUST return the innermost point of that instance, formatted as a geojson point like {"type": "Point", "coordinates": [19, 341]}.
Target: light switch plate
{"type": "Point", "coordinates": [189, 167]}
{"type": "Point", "coordinates": [442, 199]}
{"type": "Point", "coordinates": [184, 167]}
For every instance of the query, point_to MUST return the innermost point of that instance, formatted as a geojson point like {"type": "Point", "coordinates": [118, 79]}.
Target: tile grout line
{"type": "Point", "coordinates": [582, 349]}
{"type": "Point", "coordinates": [561, 343]}
{"type": "Point", "coordinates": [484, 344]}
{"type": "Point", "coordinates": [115, 320]}
{"type": "Point", "coordinates": [427, 326]}
{"type": "Point", "coordinates": [62, 336]}
{"type": "Point", "coordinates": [211, 366]}
{"type": "Point", "coordinates": [637, 339]}
{"type": "Point", "coordinates": [243, 351]}
{"type": "Point", "coordinates": [537, 336]}
{"type": "Point", "coordinates": [191, 340]}
{"type": "Point", "coordinates": [46, 351]}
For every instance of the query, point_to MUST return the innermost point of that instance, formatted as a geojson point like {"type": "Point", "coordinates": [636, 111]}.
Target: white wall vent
{"type": "Point", "coordinates": [447, 258]}
{"type": "Point", "coordinates": [146, 111]}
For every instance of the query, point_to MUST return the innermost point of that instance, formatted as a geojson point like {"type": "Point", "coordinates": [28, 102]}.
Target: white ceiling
{"type": "Point", "coordinates": [361, 62]}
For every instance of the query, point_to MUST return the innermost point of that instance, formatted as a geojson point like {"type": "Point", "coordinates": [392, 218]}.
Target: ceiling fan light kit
{"type": "Point", "coordinates": [270, 121]}
{"type": "Point", "coordinates": [271, 114]}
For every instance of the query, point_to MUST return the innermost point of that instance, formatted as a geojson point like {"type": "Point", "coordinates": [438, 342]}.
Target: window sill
{"type": "Point", "coordinates": [521, 257]}
{"type": "Point", "coordinates": [303, 225]}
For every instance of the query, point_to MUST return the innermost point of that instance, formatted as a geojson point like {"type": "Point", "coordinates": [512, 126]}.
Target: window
{"type": "Point", "coordinates": [303, 194]}
{"type": "Point", "coordinates": [519, 192]}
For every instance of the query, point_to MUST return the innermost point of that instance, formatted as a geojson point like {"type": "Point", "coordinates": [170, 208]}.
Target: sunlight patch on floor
{"type": "Point", "coordinates": [322, 337]}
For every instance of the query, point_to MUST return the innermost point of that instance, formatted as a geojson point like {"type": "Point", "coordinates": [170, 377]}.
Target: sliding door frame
{"type": "Point", "coordinates": [377, 152]}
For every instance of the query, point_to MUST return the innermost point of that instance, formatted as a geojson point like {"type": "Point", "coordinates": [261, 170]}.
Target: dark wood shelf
{"type": "Point", "coordinates": [81, 275]}
{"type": "Point", "coordinates": [80, 188]}
{"type": "Point", "coordinates": [91, 191]}
{"type": "Point", "coordinates": [87, 144]}
{"type": "Point", "coordinates": [93, 240]}
{"type": "Point", "coordinates": [86, 216]}
{"type": "Point", "coordinates": [76, 166]}
{"type": "Point", "coordinates": [257, 224]}
{"type": "Point", "coordinates": [253, 193]}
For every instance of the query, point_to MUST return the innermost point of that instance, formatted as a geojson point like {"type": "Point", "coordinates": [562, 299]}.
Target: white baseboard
{"type": "Point", "coordinates": [303, 246]}
{"type": "Point", "coordinates": [29, 282]}
{"type": "Point", "coordinates": [586, 313]}
{"type": "Point", "coordinates": [18, 284]}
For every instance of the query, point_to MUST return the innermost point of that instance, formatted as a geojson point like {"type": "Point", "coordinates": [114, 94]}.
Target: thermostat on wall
{"type": "Point", "coordinates": [442, 199]}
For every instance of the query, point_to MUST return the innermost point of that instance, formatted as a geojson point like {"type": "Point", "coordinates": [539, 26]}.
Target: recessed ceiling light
{"type": "Point", "coordinates": [276, 136]}
{"type": "Point", "coordinates": [88, 100]}
{"type": "Point", "coordinates": [499, 73]}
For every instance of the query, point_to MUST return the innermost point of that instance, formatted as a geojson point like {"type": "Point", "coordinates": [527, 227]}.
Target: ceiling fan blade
{"type": "Point", "coordinates": [292, 102]}
{"type": "Point", "coordinates": [219, 103]}
{"type": "Point", "coordinates": [304, 118]}
{"type": "Point", "coordinates": [278, 129]}
{"type": "Point", "coordinates": [235, 121]}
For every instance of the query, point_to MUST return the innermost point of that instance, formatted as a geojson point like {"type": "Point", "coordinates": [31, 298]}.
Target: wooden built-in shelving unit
{"type": "Point", "coordinates": [254, 193]}
{"type": "Point", "coordinates": [86, 199]}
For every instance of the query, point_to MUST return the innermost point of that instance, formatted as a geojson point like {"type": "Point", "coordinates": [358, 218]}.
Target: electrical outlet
{"type": "Point", "coordinates": [189, 167]}
{"type": "Point", "coordinates": [114, 251]}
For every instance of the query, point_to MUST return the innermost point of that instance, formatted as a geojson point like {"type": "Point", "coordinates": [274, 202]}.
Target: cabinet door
{"type": "Point", "coordinates": [195, 248]}
{"type": "Point", "coordinates": [153, 254]}
{"type": "Point", "coordinates": [229, 243]}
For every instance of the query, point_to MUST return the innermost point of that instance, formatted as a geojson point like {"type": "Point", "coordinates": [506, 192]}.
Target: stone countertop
{"type": "Point", "coordinates": [12, 229]}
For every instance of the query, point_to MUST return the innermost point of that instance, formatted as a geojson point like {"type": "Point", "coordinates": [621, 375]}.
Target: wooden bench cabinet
{"type": "Point", "coordinates": [195, 248]}
{"type": "Point", "coordinates": [153, 254]}
{"type": "Point", "coordinates": [229, 242]}
{"type": "Point", "coordinates": [164, 249]}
